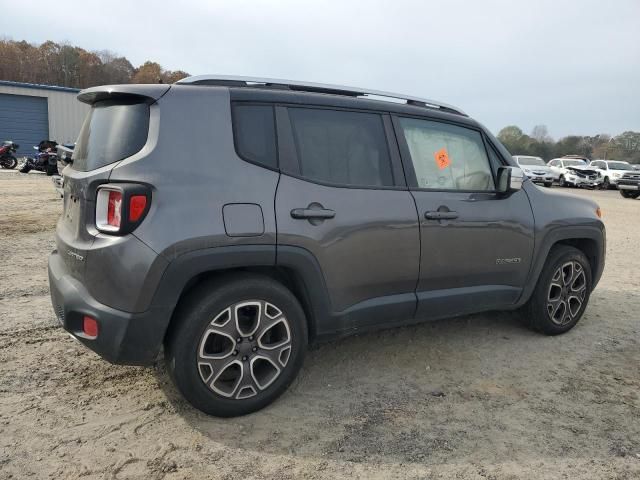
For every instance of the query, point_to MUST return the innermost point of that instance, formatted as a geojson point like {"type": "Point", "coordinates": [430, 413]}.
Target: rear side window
{"type": "Point", "coordinates": [340, 147]}
{"type": "Point", "coordinates": [447, 157]}
{"type": "Point", "coordinates": [112, 131]}
{"type": "Point", "coordinates": [255, 134]}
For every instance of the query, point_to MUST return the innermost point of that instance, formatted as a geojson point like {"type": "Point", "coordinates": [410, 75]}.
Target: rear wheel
{"type": "Point", "coordinates": [628, 194]}
{"type": "Point", "coordinates": [239, 343]}
{"type": "Point", "coordinates": [562, 293]}
{"type": "Point", "coordinates": [606, 184]}
{"type": "Point", "coordinates": [10, 163]}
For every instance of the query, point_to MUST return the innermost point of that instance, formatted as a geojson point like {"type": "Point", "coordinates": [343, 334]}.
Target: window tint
{"type": "Point", "coordinates": [447, 156]}
{"type": "Point", "coordinates": [347, 148]}
{"type": "Point", "coordinates": [112, 131]}
{"type": "Point", "coordinates": [255, 135]}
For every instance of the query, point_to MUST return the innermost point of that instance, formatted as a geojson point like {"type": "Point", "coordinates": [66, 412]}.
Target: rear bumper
{"type": "Point", "coordinates": [123, 337]}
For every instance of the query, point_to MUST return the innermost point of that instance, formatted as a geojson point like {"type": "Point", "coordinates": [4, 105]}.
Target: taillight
{"type": "Point", "coordinates": [137, 205]}
{"type": "Point", "coordinates": [114, 208]}
{"type": "Point", "coordinates": [121, 207]}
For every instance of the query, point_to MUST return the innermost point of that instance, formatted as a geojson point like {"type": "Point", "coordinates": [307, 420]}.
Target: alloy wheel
{"type": "Point", "coordinates": [567, 293]}
{"type": "Point", "coordinates": [244, 349]}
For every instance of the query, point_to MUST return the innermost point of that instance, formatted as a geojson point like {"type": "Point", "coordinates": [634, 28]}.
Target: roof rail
{"type": "Point", "coordinates": [238, 81]}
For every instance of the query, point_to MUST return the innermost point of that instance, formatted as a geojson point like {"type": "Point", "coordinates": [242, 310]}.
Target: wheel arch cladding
{"type": "Point", "coordinates": [297, 272]}
{"type": "Point", "coordinates": [588, 239]}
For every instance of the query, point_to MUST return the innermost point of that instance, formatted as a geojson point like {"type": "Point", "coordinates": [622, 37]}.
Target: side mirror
{"type": "Point", "coordinates": [510, 179]}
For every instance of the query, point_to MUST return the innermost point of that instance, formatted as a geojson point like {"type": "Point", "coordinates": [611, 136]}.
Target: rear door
{"type": "Point", "coordinates": [476, 244]}
{"type": "Point", "coordinates": [342, 197]}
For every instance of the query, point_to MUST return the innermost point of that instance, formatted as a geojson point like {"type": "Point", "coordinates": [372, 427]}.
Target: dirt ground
{"type": "Point", "coordinates": [476, 397]}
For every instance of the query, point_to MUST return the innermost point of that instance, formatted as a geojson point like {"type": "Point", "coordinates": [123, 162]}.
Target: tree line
{"type": "Point", "coordinates": [625, 146]}
{"type": "Point", "coordinates": [69, 66]}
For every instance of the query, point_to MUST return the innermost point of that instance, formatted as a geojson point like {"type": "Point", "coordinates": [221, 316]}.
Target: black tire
{"type": "Point", "coordinates": [25, 168]}
{"type": "Point", "coordinates": [538, 309]}
{"type": "Point", "coordinates": [52, 170]}
{"type": "Point", "coordinates": [606, 184]}
{"type": "Point", "coordinates": [548, 184]}
{"type": "Point", "coordinates": [562, 181]}
{"type": "Point", "coordinates": [186, 342]}
{"type": "Point", "coordinates": [629, 194]}
{"type": "Point", "coordinates": [10, 163]}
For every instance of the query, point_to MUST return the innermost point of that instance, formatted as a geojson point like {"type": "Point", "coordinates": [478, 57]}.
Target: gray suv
{"type": "Point", "coordinates": [227, 222]}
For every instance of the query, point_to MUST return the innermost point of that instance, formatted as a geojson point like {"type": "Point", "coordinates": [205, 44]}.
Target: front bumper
{"type": "Point", "coordinates": [123, 337]}
{"type": "Point", "coordinates": [540, 178]}
{"type": "Point", "coordinates": [583, 182]}
{"type": "Point", "coordinates": [628, 185]}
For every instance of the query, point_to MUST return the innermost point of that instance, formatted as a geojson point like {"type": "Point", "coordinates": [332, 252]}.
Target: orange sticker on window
{"type": "Point", "coordinates": [442, 158]}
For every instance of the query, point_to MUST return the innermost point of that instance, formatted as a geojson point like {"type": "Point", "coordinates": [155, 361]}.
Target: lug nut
{"type": "Point", "coordinates": [254, 349]}
{"type": "Point", "coordinates": [244, 358]}
{"type": "Point", "coordinates": [235, 352]}
{"type": "Point", "coordinates": [239, 340]}
{"type": "Point", "coordinates": [251, 338]}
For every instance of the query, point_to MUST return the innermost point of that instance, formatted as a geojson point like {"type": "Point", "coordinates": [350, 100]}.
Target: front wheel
{"type": "Point", "coordinates": [562, 293]}
{"type": "Point", "coordinates": [606, 184]}
{"type": "Point", "coordinates": [238, 344]}
{"type": "Point", "coordinates": [628, 194]}
{"type": "Point", "coordinates": [562, 181]}
{"type": "Point", "coordinates": [548, 184]}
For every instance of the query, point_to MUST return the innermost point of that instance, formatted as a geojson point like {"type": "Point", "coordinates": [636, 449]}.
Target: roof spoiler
{"type": "Point", "coordinates": [135, 92]}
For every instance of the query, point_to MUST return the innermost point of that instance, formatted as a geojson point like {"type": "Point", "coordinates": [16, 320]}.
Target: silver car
{"type": "Point", "coordinates": [536, 169]}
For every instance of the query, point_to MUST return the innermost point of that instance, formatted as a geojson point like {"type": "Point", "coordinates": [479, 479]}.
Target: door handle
{"type": "Point", "coordinates": [307, 213]}
{"type": "Point", "coordinates": [440, 215]}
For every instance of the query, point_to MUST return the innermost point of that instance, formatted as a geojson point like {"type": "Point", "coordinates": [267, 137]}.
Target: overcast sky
{"type": "Point", "coordinates": [572, 65]}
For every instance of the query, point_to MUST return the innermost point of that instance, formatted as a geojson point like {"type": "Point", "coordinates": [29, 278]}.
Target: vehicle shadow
{"type": "Point", "coordinates": [431, 392]}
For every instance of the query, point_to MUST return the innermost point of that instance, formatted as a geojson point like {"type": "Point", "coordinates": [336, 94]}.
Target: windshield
{"type": "Point", "coordinates": [574, 163]}
{"type": "Point", "coordinates": [619, 166]}
{"type": "Point", "coordinates": [112, 131]}
{"type": "Point", "coordinates": [531, 161]}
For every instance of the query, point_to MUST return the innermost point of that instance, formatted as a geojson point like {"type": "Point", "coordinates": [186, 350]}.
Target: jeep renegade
{"type": "Point", "coordinates": [226, 222]}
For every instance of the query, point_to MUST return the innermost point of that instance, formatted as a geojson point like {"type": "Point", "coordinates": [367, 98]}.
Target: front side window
{"type": "Point", "coordinates": [255, 134]}
{"type": "Point", "coordinates": [341, 147]}
{"type": "Point", "coordinates": [113, 130]}
{"type": "Point", "coordinates": [447, 157]}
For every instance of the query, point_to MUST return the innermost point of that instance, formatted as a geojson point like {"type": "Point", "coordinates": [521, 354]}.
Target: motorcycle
{"type": "Point", "coordinates": [46, 160]}
{"type": "Point", "coordinates": [7, 159]}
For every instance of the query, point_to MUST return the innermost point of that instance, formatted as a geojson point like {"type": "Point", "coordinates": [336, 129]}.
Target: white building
{"type": "Point", "coordinates": [30, 113]}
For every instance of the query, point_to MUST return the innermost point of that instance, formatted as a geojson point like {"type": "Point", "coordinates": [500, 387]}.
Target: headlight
{"type": "Point", "coordinates": [616, 174]}
{"type": "Point", "coordinates": [526, 170]}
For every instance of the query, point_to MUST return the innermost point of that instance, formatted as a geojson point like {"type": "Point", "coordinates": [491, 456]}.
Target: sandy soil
{"type": "Point", "coordinates": [476, 397]}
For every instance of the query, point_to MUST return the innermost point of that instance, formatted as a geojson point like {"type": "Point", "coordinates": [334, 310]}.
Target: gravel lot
{"type": "Point", "coordinates": [475, 397]}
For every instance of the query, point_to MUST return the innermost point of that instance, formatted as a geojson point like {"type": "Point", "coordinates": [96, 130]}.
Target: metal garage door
{"type": "Point", "coordinates": [25, 120]}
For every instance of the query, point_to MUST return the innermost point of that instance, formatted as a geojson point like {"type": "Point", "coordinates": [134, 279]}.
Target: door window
{"type": "Point", "coordinates": [341, 147]}
{"type": "Point", "coordinates": [447, 157]}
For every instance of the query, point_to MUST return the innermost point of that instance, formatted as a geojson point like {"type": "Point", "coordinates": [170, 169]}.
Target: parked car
{"type": "Point", "coordinates": [629, 184]}
{"type": "Point", "coordinates": [611, 171]}
{"type": "Point", "coordinates": [574, 172]}
{"type": "Point", "coordinates": [536, 169]}
{"type": "Point", "coordinates": [304, 212]}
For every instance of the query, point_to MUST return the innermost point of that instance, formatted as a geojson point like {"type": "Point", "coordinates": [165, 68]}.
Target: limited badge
{"type": "Point", "coordinates": [442, 158]}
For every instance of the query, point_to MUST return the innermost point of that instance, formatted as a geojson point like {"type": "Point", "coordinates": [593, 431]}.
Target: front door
{"type": "Point", "coordinates": [342, 198]}
{"type": "Point", "coordinates": [476, 244]}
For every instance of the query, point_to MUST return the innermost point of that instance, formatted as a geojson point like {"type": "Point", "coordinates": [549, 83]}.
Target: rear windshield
{"type": "Point", "coordinates": [113, 130]}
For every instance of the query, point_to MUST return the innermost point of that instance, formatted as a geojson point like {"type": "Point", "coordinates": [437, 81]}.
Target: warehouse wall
{"type": "Point", "coordinates": [66, 113]}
